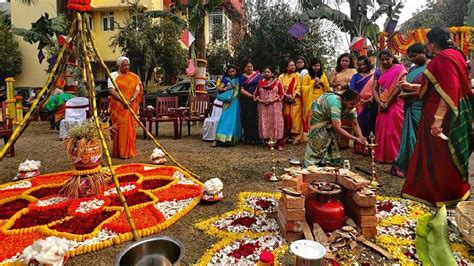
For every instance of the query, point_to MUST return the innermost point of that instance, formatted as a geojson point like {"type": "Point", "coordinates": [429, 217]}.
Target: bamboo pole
{"type": "Point", "coordinates": [90, 80]}
{"type": "Point", "coordinates": [51, 78]}
{"type": "Point", "coordinates": [135, 116]}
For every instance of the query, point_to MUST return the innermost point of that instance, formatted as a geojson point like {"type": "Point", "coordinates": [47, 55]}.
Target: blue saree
{"type": "Point", "coordinates": [229, 129]}
{"type": "Point", "coordinates": [410, 126]}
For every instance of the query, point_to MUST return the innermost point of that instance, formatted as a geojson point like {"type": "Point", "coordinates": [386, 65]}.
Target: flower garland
{"type": "Point", "coordinates": [245, 232]}
{"type": "Point", "coordinates": [90, 224]}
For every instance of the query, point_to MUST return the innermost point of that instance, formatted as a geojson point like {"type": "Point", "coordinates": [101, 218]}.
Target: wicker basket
{"type": "Point", "coordinates": [465, 220]}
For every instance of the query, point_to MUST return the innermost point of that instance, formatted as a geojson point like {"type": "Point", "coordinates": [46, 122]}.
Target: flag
{"type": "Point", "coordinates": [187, 38]}
{"type": "Point", "coordinates": [357, 44]}
{"type": "Point", "coordinates": [391, 26]}
{"type": "Point", "coordinates": [40, 56]}
{"type": "Point", "coordinates": [298, 30]}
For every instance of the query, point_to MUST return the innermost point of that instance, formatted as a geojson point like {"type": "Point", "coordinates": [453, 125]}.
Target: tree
{"type": "Point", "coordinates": [196, 12]}
{"type": "Point", "coordinates": [359, 23]}
{"type": "Point", "coordinates": [149, 42]}
{"type": "Point", "coordinates": [448, 13]}
{"type": "Point", "coordinates": [10, 55]}
{"type": "Point", "coordinates": [218, 56]}
{"type": "Point", "coordinates": [268, 42]}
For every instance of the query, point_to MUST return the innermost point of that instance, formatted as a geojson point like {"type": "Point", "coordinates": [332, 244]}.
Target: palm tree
{"type": "Point", "coordinates": [358, 23]}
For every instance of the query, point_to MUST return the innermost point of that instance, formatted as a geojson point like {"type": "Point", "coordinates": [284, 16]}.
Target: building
{"type": "Point", "coordinates": [104, 14]}
{"type": "Point", "coordinates": [226, 23]}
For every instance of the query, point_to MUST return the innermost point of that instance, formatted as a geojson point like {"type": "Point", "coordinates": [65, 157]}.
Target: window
{"type": "Point", "coordinates": [108, 21]}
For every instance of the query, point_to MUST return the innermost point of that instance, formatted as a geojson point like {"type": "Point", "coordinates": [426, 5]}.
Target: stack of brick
{"type": "Point", "coordinates": [321, 175]}
{"type": "Point", "coordinates": [360, 203]}
{"type": "Point", "coordinates": [291, 211]}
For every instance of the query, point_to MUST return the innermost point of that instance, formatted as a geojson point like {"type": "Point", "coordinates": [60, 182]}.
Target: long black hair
{"type": "Point", "coordinates": [389, 53]}
{"type": "Point", "coordinates": [339, 59]}
{"type": "Point", "coordinates": [311, 72]}
{"type": "Point", "coordinates": [304, 61]}
{"type": "Point", "coordinates": [245, 63]}
{"type": "Point", "coordinates": [366, 62]}
{"type": "Point", "coordinates": [350, 95]}
{"type": "Point", "coordinates": [442, 38]}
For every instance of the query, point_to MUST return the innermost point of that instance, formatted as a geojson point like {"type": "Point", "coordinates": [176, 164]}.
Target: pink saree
{"type": "Point", "coordinates": [389, 123]}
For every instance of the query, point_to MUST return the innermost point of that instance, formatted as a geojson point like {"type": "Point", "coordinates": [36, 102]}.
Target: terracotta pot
{"type": "Point", "coordinates": [90, 158]}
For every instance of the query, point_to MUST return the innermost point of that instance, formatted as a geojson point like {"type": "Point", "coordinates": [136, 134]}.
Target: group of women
{"type": "Point", "coordinates": [260, 106]}
{"type": "Point", "coordinates": [421, 118]}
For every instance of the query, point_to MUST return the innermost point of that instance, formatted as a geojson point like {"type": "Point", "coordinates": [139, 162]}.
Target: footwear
{"type": "Point", "coordinates": [214, 144]}
{"type": "Point", "coordinates": [296, 142]}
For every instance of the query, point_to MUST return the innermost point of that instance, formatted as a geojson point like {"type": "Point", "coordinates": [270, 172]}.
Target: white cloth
{"type": "Point", "coordinates": [303, 73]}
{"type": "Point", "coordinates": [74, 115]}
{"type": "Point", "coordinates": [209, 128]}
{"type": "Point", "coordinates": [109, 82]}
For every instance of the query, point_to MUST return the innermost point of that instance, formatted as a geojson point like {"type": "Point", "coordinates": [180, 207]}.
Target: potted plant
{"type": "Point", "coordinates": [84, 147]}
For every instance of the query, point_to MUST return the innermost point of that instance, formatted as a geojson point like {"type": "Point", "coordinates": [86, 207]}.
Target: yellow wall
{"type": "Point", "coordinates": [33, 73]}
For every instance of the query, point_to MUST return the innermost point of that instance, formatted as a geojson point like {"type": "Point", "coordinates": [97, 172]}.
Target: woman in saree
{"type": "Point", "coordinates": [301, 67]}
{"type": "Point", "coordinates": [326, 115]}
{"type": "Point", "coordinates": [269, 95]}
{"type": "Point", "coordinates": [229, 129]}
{"type": "Point", "coordinates": [389, 122]}
{"type": "Point", "coordinates": [362, 83]}
{"type": "Point", "coordinates": [315, 83]}
{"type": "Point", "coordinates": [248, 83]}
{"type": "Point", "coordinates": [438, 172]}
{"type": "Point", "coordinates": [342, 76]}
{"type": "Point", "coordinates": [292, 106]}
{"type": "Point", "coordinates": [123, 122]}
{"type": "Point", "coordinates": [418, 54]}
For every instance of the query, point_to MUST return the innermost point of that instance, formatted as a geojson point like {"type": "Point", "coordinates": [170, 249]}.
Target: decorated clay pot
{"type": "Point", "coordinates": [90, 158]}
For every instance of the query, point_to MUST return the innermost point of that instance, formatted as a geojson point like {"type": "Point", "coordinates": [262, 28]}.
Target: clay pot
{"type": "Point", "coordinates": [90, 158]}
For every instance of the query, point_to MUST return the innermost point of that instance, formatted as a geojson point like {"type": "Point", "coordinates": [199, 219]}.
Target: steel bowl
{"type": "Point", "coordinates": [153, 251]}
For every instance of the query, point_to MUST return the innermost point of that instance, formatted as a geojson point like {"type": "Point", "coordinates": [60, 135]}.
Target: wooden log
{"type": "Point", "coordinates": [319, 235]}
{"type": "Point", "coordinates": [307, 232]}
{"type": "Point", "coordinates": [373, 246]}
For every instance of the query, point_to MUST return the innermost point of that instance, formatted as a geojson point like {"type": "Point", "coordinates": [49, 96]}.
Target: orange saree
{"type": "Point", "coordinates": [123, 123]}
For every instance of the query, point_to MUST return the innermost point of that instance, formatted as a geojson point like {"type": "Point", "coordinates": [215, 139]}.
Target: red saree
{"type": "Point", "coordinates": [438, 169]}
{"type": "Point", "coordinates": [123, 131]}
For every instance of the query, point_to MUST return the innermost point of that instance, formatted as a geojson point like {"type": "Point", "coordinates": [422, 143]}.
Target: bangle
{"type": "Point", "coordinates": [437, 117]}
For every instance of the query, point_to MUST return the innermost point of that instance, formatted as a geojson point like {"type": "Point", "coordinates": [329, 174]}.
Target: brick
{"type": "Point", "coordinates": [361, 199]}
{"type": "Point", "coordinates": [289, 226]}
{"type": "Point", "coordinates": [352, 206]}
{"type": "Point", "coordinates": [293, 182]}
{"type": "Point", "coordinates": [305, 188]}
{"type": "Point", "coordinates": [368, 232]}
{"type": "Point", "coordinates": [319, 177]}
{"type": "Point", "coordinates": [292, 236]}
{"type": "Point", "coordinates": [363, 220]}
{"type": "Point", "coordinates": [292, 202]}
{"type": "Point", "coordinates": [354, 182]}
{"type": "Point", "coordinates": [291, 214]}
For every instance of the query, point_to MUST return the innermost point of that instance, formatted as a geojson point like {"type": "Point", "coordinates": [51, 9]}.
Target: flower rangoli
{"type": "Point", "coordinates": [30, 210]}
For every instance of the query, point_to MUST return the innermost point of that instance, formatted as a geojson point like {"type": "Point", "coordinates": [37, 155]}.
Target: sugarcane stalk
{"type": "Point", "coordinates": [90, 79]}
{"type": "Point", "coordinates": [124, 100]}
{"type": "Point", "coordinates": [25, 122]}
